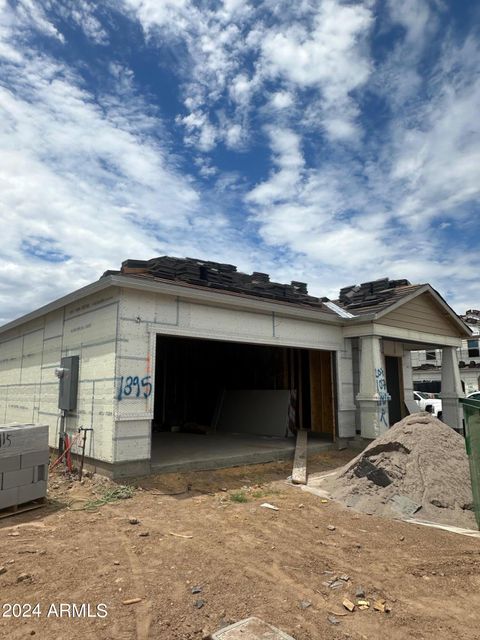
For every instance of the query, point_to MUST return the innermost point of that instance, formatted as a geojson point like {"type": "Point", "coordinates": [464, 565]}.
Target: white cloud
{"type": "Point", "coordinates": [281, 100]}
{"type": "Point", "coordinates": [241, 89]}
{"type": "Point", "coordinates": [85, 182]}
{"type": "Point", "coordinates": [416, 18]}
{"type": "Point", "coordinates": [172, 13]}
{"type": "Point", "coordinates": [82, 14]}
{"type": "Point", "coordinates": [233, 136]}
{"type": "Point", "coordinates": [289, 160]}
{"type": "Point", "coordinates": [387, 214]}
{"type": "Point", "coordinates": [326, 55]}
{"type": "Point", "coordinates": [200, 131]}
{"type": "Point", "coordinates": [437, 162]}
{"type": "Point", "coordinates": [329, 55]}
{"type": "Point", "coordinates": [30, 15]}
{"type": "Point", "coordinates": [88, 180]}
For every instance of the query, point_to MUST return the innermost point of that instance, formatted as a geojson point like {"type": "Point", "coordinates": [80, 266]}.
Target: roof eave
{"type": "Point", "coordinates": [89, 289]}
{"type": "Point", "coordinates": [173, 288]}
{"type": "Point", "coordinates": [367, 317]}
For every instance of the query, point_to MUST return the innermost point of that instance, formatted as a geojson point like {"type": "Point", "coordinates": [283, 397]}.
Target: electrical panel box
{"type": "Point", "coordinates": [67, 394]}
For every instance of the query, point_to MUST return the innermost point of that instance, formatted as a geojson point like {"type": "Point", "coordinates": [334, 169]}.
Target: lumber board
{"type": "Point", "coordinates": [22, 508]}
{"type": "Point", "coordinates": [299, 471]}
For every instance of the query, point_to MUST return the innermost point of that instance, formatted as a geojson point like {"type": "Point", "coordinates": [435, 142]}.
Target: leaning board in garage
{"type": "Point", "coordinates": [299, 471]}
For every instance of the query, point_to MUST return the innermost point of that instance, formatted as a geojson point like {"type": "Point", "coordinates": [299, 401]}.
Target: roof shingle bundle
{"type": "Point", "coordinates": [374, 295]}
{"type": "Point", "coordinates": [218, 275]}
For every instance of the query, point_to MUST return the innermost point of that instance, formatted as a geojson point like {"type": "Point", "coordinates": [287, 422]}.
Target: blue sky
{"type": "Point", "coordinates": [318, 140]}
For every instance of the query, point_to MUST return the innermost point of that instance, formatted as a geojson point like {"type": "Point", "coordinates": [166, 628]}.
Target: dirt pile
{"type": "Point", "coordinates": [418, 468]}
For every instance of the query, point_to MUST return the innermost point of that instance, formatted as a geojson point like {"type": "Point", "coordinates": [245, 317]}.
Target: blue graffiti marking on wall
{"type": "Point", "coordinates": [134, 387]}
{"type": "Point", "coordinates": [382, 401]}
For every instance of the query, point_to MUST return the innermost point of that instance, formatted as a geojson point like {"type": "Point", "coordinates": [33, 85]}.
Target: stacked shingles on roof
{"type": "Point", "coordinates": [472, 316]}
{"type": "Point", "coordinates": [373, 296]}
{"type": "Point", "coordinates": [220, 276]}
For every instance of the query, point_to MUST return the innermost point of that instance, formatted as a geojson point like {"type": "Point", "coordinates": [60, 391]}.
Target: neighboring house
{"type": "Point", "coordinates": [160, 342]}
{"type": "Point", "coordinates": [427, 363]}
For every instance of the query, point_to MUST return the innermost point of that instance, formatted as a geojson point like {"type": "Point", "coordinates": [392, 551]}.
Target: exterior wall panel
{"type": "Point", "coordinates": [29, 354]}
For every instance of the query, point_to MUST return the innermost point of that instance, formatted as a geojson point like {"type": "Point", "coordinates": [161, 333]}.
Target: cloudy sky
{"type": "Point", "coordinates": [319, 140]}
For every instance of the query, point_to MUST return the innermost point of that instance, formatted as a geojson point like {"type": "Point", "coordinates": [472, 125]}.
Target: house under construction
{"type": "Point", "coordinates": [182, 363]}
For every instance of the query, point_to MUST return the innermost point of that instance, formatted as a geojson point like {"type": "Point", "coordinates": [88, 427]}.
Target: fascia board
{"type": "Point", "coordinates": [407, 335]}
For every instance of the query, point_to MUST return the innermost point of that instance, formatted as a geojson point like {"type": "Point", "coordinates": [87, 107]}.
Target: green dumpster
{"type": "Point", "coordinates": [471, 412]}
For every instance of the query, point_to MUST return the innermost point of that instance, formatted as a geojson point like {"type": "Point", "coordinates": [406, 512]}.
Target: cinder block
{"type": "Point", "coordinates": [32, 491]}
{"type": "Point", "coordinates": [40, 473]}
{"type": "Point", "coordinates": [10, 464]}
{"type": "Point", "coordinates": [8, 498]}
{"type": "Point", "coordinates": [18, 478]}
{"type": "Point", "coordinates": [18, 438]}
{"type": "Point", "coordinates": [32, 459]}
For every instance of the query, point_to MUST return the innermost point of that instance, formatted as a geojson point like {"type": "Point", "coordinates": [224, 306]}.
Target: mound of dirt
{"type": "Point", "coordinates": [418, 468]}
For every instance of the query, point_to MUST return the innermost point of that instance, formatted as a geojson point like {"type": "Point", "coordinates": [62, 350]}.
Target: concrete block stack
{"type": "Point", "coordinates": [23, 463]}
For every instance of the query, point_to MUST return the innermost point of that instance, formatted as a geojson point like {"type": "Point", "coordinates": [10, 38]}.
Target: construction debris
{"type": "Point", "coordinates": [419, 466]}
{"type": "Point", "coordinates": [348, 604]}
{"type": "Point", "coordinates": [334, 583]}
{"type": "Point", "coordinates": [132, 601]}
{"type": "Point", "coordinates": [267, 505]}
{"type": "Point", "coordinates": [405, 506]}
{"type": "Point", "coordinates": [23, 577]}
{"type": "Point", "coordinates": [379, 605]}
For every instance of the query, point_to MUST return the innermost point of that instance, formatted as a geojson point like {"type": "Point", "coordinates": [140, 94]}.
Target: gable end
{"type": "Point", "coordinates": [422, 313]}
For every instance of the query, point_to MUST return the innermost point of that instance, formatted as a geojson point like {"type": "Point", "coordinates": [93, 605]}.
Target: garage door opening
{"type": "Point", "coordinates": [222, 403]}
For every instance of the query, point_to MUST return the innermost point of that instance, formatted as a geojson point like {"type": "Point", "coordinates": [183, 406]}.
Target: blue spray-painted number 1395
{"type": "Point", "coordinates": [133, 386]}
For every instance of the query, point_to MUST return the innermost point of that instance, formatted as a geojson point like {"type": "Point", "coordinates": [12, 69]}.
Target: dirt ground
{"type": "Point", "coordinates": [246, 560]}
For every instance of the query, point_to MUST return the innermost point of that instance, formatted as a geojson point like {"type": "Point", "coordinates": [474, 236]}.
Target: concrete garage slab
{"type": "Point", "coordinates": [186, 451]}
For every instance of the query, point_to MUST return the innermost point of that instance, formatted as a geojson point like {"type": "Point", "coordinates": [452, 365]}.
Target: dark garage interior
{"type": "Point", "coordinates": [209, 391]}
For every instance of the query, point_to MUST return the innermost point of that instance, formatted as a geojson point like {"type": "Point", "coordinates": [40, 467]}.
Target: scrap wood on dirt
{"type": "Point", "coordinates": [418, 468]}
